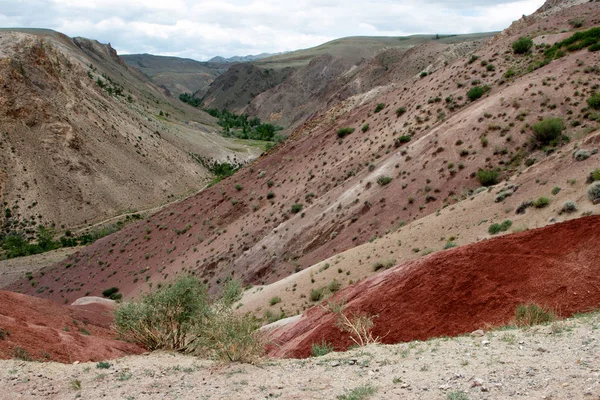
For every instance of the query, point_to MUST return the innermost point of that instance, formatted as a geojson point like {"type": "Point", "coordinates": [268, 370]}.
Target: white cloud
{"type": "Point", "coordinates": [202, 29]}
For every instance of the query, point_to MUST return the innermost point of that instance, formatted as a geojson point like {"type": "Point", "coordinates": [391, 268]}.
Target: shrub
{"type": "Point", "coordinates": [275, 300]}
{"type": "Point", "coordinates": [522, 46]}
{"type": "Point", "coordinates": [343, 132]}
{"type": "Point", "coordinates": [533, 314]}
{"type": "Point", "coordinates": [541, 202]}
{"type": "Point", "coordinates": [365, 127]}
{"type": "Point", "coordinates": [594, 176]}
{"type": "Point", "coordinates": [359, 393]}
{"type": "Point", "coordinates": [384, 180]}
{"type": "Point", "coordinates": [548, 130]}
{"type": "Point", "coordinates": [383, 265]}
{"type": "Point", "coordinates": [400, 111]}
{"type": "Point", "coordinates": [319, 350]}
{"type": "Point", "coordinates": [401, 140]}
{"type": "Point", "coordinates": [333, 286]}
{"type": "Point", "coordinates": [181, 317]}
{"type": "Point", "coordinates": [270, 195]}
{"type": "Point", "coordinates": [569, 207]}
{"type": "Point", "coordinates": [110, 292]}
{"type": "Point", "coordinates": [555, 190]}
{"type": "Point", "coordinates": [594, 101]}
{"type": "Point", "coordinates": [497, 228]}
{"type": "Point", "coordinates": [316, 294]}
{"type": "Point", "coordinates": [488, 177]}
{"type": "Point", "coordinates": [103, 365]}
{"type": "Point", "coordinates": [379, 107]}
{"type": "Point", "coordinates": [477, 92]}
{"type": "Point", "coordinates": [594, 192]}
{"type": "Point", "coordinates": [296, 208]}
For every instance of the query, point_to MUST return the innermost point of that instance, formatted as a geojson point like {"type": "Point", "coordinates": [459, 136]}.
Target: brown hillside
{"type": "Point", "coordinates": [251, 226]}
{"type": "Point", "coordinates": [74, 152]}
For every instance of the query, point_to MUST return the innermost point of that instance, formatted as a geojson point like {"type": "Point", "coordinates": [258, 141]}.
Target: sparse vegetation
{"type": "Point", "coordinates": [541, 202]}
{"type": "Point", "coordinates": [343, 132]}
{"type": "Point", "coordinates": [594, 101]}
{"type": "Point", "coordinates": [533, 314]}
{"type": "Point", "coordinates": [379, 107]}
{"type": "Point", "coordinates": [384, 180]}
{"type": "Point", "coordinates": [594, 192]}
{"type": "Point", "coordinates": [182, 317]}
{"type": "Point", "coordinates": [548, 130]}
{"type": "Point", "coordinates": [359, 393]}
{"type": "Point", "coordinates": [319, 350]}
{"type": "Point", "coordinates": [522, 46]}
{"type": "Point", "coordinates": [477, 92]}
{"type": "Point", "coordinates": [497, 228]}
{"type": "Point", "coordinates": [488, 177]}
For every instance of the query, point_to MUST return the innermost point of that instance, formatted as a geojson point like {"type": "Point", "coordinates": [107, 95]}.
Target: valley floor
{"type": "Point", "coordinates": [558, 361]}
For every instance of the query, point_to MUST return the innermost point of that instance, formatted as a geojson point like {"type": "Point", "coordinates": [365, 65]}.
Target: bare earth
{"type": "Point", "coordinates": [559, 361]}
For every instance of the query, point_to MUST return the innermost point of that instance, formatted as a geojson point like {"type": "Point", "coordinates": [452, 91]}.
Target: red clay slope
{"type": "Point", "coordinates": [460, 290]}
{"type": "Point", "coordinates": [43, 330]}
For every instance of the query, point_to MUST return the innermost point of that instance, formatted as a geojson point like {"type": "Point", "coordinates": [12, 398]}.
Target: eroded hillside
{"type": "Point", "coordinates": [85, 138]}
{"type": "Point", "coordinates": [382, 177]}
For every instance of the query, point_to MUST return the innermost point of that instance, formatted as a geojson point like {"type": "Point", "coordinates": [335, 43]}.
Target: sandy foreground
{"type": "Point", "coordinates": [557, 361]}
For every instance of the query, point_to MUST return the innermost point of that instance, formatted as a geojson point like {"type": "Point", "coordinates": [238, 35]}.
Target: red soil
{"type": "Point", "coordinates": [43, 330]}
{"type": "Point", "coordinates": [460, 290]}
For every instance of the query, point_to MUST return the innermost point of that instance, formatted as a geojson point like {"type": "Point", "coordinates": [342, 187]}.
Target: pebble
{"type": "Point", "coordinates": [335, 364]}
{"type": "Point", "coordinates": [477, 333]}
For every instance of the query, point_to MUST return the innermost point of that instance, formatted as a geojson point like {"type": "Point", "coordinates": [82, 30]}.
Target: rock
{"type": "Point", "coordinates": [476, 383]}
{"type": "Point", "coordinates": [477, 333]}
{"type": "Point", "coordinates": [334, 364]}
{"type": "Point", "coordinates": [485, 342]}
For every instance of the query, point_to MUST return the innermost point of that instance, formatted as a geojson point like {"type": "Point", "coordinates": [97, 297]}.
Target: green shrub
{"type": "Point", "coordinates": [541, 202]}
{"type": "Point", "coordinates": [296, 208]}
{"type": "Point", "coordinates": [533, 314]}
{"type": "Point", "coordinates": [477, 92]}
{"type": "Point", "coordinates": [270, 195]}
{"type": "Point", "coordinates": [497, 228]}
{"type": "Point", "coordinates": [569, 207]}
{"type": "Point", "coordinates": [383, 265]}
{"type": "Point", "coordinates": [275, 300]}
{"type": "Point", "coordinates": [522, 46]}
{"type": "Point", "coordinates": [594, 191]}
{"type": "Point", "coordinates": [555, 190]}
{"type": "Point", "coordinates": [316, 294]}
{"type": "Point", "coordinates": [548, 130]}
{"type": "Point", "coordinates": [359, 393]}
{"type": "Point", "coordinates": [110, 292]}
{"type": "Point", "coordinates": [343, 132]}
{"type": "Point", "coordinates": [401, 140]}
{"type": "Point", "coordinates": [594, 101]}
{"type": "Point", "coordinates": [365, 128]}
{"type": "Point", "coordinates": [334, 286]}
{"type": "Point", "coordinates": [488, 177]}
{"type": "Point", "coordinates": [400, 111]}
{"type": "Point", "coordinates": [319, 350]}
{"type": "Point", "coordinates": [594, 176]}
{"type": "Point", "coordinates": [379, 107]}
{"type": "Point", "coordinates": [181, 317]}
{"type": "Point", "coordinates": [103, 365]}
{"type": "Point", "coordinates": [384, 180]}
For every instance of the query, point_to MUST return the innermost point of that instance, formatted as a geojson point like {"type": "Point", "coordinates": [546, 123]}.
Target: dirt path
{"type": "Point", "coordinates": [560, 361]}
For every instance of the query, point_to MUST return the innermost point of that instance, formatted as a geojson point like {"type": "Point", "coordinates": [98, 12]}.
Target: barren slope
{"type": "Point", "coordinates": [41, 330]}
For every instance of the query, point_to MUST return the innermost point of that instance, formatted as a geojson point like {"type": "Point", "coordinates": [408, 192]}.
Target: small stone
{"type": "Point", "coordinates": [485, 342]}
{"type": "Point", "coordinates": [75, 362]}
{"type": "Point", "coordinates": [477, 333]}
{"type": "Point", "coordinates": [445, 387]}
{"type": "Point", "coordinates": [335, 364]}
{"type": "Point", "coordinates": [476, 383]}
{"type": "Point", "coordinates": [541, 350]}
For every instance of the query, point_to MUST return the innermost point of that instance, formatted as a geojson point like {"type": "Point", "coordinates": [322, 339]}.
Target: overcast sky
{"type": "Point", "coordinates": [203, 29]}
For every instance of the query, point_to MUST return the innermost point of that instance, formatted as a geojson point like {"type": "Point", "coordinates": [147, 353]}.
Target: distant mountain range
{"type": "Point", "coordinates": [238, 59]}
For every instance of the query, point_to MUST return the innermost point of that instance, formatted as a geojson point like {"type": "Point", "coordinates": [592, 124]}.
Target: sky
{"type": "Point", "coordinates": [206, 28]}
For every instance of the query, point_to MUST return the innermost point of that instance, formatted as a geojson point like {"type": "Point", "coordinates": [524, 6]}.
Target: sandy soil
{"type": "Point", "coordinates": [558, 361]}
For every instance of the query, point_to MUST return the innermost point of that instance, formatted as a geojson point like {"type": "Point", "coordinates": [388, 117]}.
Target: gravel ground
{"type": "Point", "coordinates": [558, 361]}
